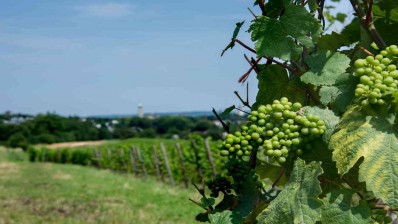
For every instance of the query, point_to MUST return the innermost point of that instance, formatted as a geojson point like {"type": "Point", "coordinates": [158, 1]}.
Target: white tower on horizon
{"type": "Point", "coordinates": [140, 112]}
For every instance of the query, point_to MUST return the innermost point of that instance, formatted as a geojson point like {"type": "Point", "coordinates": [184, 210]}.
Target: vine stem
{"type": "Point", "coordinates": [241, 100]}
{"type": "Point", "coordinates": [369, 26]}
{"type": "Point", "coordinates": [268, 58]}
{"type": "Point", "coordinates": [242, 110]}
{"type": "Point", "coordinates": [224, 125]}
{"type": "Point", "coordinates": [262, 6]}
{"type": "Point", "coordinates": [278, 178]}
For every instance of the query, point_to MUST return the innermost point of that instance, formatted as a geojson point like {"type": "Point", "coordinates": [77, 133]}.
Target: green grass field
{"type": "Point", "coordinates": [53, 193]}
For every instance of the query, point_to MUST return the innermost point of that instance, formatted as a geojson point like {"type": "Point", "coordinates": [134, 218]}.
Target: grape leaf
{"type": "Point", "coordinates": [276, 37]}
{"type": "Point", "coordinates": [340, 94]}
{"type": "Point", "coordinates": [333, 41]}
{"type": "Point", "coordinates": [338, 209]}
{"type": "Point", "coordinates": [234, 36]}
{"type": "Point", "coordinates": [274, 83]}
{"type": "Point", "coordinates": [328, 116]}
{"type": "Point", "coordinates": [207, 202]}
{"type": "Point", "coordinates": [269, 172]}
{"type": "Point", "coordinates": [228, 110]}
{"type": "Point", "coordinates": [373, 138]}
{"type": "Point", "coordinates": [319, 152]}
{"type": "Point", "coordinates": [325, 67]}
{"type": "Point", "coordinates": [224, 217]}
{"type": "Point", "coordinates": [298, 202]}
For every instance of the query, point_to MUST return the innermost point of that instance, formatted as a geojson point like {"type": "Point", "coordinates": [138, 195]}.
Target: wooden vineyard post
{"type": "Point", "coordinates": [98, 157]}
{"type": "Point", "coordinates": [156, 161]}
{"type": "Point", "coordinates": [122, 155]}
{"type": "Point", "coordinates": [166, 161]}
{"type": "Point", "coordinates": [210, 158]}
{"type": "Point", "coordinates": [133, 161]}
{"type": "Point", "coordinates": [182, 165]}
{"type": "Point", "coordinates": [197, 163]}
{"type": "Point", "coordinates": [141, 161]}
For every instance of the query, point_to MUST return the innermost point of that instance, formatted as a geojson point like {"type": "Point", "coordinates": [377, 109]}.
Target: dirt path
{"type": "Point", "coordinates": [74, 144]}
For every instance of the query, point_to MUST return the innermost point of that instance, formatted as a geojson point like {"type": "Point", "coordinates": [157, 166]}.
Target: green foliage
{"type": "Point", "coordinates": [278, 37]}
{"type": "Point", "coordinates": [340, 209]}
{"type": "Point", "coordinates": [375, 139]}
{"type": "Point", "coordinates": [325, 68]}
{"type": "Point", "coordinates": [349, 81]}
{"type": "Point", "coordinates": [297, 203]}
{"type": "Point", "coordinates": [274, 83]}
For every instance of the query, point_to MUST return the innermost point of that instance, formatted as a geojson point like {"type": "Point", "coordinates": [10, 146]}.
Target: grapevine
{"type": "Point", "coordinates": [279, 128]}
{"type": "Point", "coordinates": [329, 154]}
{"type": "Point", "coordinates": [378, 76]}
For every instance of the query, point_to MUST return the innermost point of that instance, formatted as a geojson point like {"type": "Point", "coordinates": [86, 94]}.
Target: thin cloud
{"type": "Point", "coordinates": [41, 43]}
{"type": "Point", "coordinates": [106, 9]}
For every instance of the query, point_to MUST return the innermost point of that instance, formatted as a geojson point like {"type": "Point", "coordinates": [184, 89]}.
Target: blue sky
{"type": "Point", "coordinates": [87, 57]}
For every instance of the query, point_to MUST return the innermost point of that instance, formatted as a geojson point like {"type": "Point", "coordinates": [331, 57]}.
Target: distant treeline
{"type": "Point", "coordinates": [20, 130]}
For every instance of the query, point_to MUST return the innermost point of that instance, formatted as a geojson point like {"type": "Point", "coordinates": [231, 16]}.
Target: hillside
{"type": "Point", "coordinates": [51, 193]}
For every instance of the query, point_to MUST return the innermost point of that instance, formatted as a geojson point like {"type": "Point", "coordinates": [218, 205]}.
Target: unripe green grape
{"type": "Point", "coordinates": [269, 125]}
{"type": "Point", "coordinates": [288, 142]}
{"type": "Point", "coordinates": [282, 142]}
{"type": "Point", "coordinates": [230, 140]}
{"type": "Point", "coordinates": [259, 140]}
{"type": "Point", "coordinates": [253, 118]}
{"type": "Point", "coordinates": [284, 151]}
{"type": "Point", "coordinates": [375, 62]}
{"type": "Point", "coordinates": [365, 79]}
{"type": "Point", "coordinates": [277, 115]}
{"type": "Point", "coordinates": [295, 141]}
{"type": "Point", "coordinates": [270, 152]}
{"type": "Point", "coordinates": [275, 144]}
{"type": "Point", "coordinates": [391, 68]}
{"type": "Point", "coordinates": [305, 131]}
{"type": "Point", "coordinates": [236, 140]}
{"type": "Point", "coordinates": [244, 142]}
{"type": "Point", "coordinates": [359, 63]}
{"type": "Point", "coordinates": [224, 153]}
{"type": "Point", "coordinates": [244, 128]}
{"type": "Point", "coordinates": [259, 130]}
{"type": "Point", "coordinates": [379, 57]}
{"type": "Point", "coordinates": [360, 72]}
{"type": "Point", "coordinates": [261, 109]}
{"type": "Point", "coordinates": [262, 116]}
{"type": "Point", "coordinates": [276, 102]}
{"type": "Point", "coordinates": [385, 61]}
{"type": "Point", "coordinates": [277, 153]}
{"type": "Point", "coordinates": [247, 153]}
{"type": "Point", "coordinates": [255, 136]}
{"type": "Point", "coordinates": [314, 131]}
{"type": "Point", "coordinates": [372, 100]}
{"type": "Point", "coordinates": [296, 106]}
{"type": "Point", "coordinates": [232, 149]}
{"type": "Point", "coordinates": [369, 59]}
{"type": "Point", "coordinates": [248, 137]}
{"type": "Point", "coordinates": [281, 160]}
{"type": "Point", "coordinates": [299, 152]}
{"type": "Point", "coordinates": [284, 100]}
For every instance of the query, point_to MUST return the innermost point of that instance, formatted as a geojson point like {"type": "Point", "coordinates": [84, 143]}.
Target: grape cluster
{"type": "Point", "coordinates": [378, 76]}
{"type": "Point", "coordinates": [279, 128]}
{"type": "Point", "coordinates": [241, 172]}
{"type": "Point", "coordinates": [219, 184]}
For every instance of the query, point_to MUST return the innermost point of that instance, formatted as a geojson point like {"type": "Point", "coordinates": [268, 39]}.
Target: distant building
{"type": "Point", "coordinates": [140, 112]}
